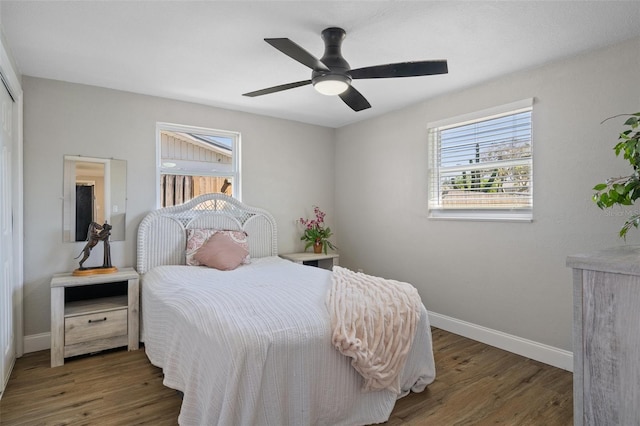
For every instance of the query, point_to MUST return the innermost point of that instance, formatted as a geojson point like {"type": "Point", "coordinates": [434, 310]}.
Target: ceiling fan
{"type": "Point", "coordinates": [332, 74]}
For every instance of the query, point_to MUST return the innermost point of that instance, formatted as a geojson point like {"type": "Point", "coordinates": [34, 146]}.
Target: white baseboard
{"type": "Point", "coordinates": [524, 347]}
{"type": "Point", "coordinates": [37, 342]}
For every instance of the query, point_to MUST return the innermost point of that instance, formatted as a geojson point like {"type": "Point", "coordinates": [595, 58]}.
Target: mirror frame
{"type": "Point", "coordinates": [115, 190]}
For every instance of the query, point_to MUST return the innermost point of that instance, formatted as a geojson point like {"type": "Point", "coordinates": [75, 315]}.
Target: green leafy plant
{"type": "Point", "coordinates": [316, 232]}
{"type": "Point", "coordinates": [623, 190]}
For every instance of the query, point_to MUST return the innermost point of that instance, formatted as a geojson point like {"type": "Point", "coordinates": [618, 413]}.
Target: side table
{"type": "Point", "coordinates": [93, 313]}
{"type": "Point", "coordinates": [320, 260]}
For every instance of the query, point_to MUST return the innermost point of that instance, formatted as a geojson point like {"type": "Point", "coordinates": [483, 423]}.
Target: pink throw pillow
{"type": "Point", "coordinates": [198, 236]}
{"type": "Point", "coordinates": [221, 252]}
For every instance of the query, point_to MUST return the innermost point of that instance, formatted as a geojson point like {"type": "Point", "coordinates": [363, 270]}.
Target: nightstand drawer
{"type": "Point", "coordinates": [99, 325]}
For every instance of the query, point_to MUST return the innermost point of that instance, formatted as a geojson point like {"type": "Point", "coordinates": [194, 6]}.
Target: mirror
{"type": "Point", "coordinates": [95, 190]}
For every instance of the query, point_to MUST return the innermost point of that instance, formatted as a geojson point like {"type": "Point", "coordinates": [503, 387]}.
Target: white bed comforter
{"type": "Point", "coordinates": [253, 347]}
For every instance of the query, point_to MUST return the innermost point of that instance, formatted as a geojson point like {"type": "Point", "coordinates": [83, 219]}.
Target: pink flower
{"type": "Point", "coordinates": [315, 230]}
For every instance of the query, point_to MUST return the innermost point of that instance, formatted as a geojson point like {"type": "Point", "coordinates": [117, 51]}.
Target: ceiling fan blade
{"type": "Point", "coordinates": [401, 69]}
{"type": "Point", "coordinates": [296, 52]}
{"type": "Point", "coordinates": [354, 99]}
{"type": "Point", "coordinates": [275, 89]}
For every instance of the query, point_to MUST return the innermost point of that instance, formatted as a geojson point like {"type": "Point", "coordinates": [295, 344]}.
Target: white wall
{"type": "Point", "coordinates": [287, 167]}
{"type": "Point", "coordinates": [509, 277]}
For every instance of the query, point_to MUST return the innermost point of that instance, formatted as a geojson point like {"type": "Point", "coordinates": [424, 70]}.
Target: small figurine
{"type": "Point", "coordinates": [95, 234]}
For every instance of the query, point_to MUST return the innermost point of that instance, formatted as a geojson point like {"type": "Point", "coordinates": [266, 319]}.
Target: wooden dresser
{"type": "Point", "coordinates": [606, 336]}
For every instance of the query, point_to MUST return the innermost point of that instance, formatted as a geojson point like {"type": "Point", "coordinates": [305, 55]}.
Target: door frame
{"type": "Point", "coordinates": [11, 80]}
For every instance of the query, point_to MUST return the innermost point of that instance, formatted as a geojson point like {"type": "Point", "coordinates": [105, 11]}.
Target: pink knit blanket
{"type": "Point", "coordinates": [373, 321]}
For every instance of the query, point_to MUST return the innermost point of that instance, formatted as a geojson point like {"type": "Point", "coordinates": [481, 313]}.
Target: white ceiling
{"type": "Point", "coordinates": [210, 52]}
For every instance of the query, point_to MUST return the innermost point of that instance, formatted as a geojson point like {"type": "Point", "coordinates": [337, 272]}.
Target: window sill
{"type": "Point", "coordinates": [482, 215]}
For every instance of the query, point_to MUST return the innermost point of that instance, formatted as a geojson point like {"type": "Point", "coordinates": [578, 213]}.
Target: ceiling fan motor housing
{"type": "Point", "coordinates": [332, 57]}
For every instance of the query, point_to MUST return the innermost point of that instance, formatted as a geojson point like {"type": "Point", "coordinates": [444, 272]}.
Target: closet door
{"type": "Point", "coordinates": [7, 340]}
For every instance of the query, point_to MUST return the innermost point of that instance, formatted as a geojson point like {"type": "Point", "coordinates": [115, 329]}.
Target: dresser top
{"type": "Point", "coordinates": [620, 260]}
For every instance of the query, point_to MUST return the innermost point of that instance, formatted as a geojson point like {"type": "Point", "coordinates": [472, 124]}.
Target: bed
{"type": "Point", "coordinates": [252, 346]}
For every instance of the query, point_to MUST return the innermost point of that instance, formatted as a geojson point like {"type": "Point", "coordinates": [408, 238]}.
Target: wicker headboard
{"type": "Point", "coordinates": [162, 233]}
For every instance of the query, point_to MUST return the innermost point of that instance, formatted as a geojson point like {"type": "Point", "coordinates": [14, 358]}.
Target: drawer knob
{"type": "Point", "coordinates": [98, 320]}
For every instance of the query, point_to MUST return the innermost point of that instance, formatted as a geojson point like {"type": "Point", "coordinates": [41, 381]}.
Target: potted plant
{"type": "Point", "coordinates": [315, 233]}
{"type": "Point", "coordinates": [624, 190]}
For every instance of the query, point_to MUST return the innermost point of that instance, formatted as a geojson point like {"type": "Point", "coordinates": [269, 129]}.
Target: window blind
{"type": "Point", "coordinates": [483, 164]}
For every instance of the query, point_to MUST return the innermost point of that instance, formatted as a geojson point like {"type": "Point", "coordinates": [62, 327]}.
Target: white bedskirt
{"type": "Point", "coordinates": [253, 347]}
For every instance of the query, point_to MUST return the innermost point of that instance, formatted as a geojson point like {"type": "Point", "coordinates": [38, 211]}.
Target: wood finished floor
{"type": "Point", "coordinates": [476, 384]}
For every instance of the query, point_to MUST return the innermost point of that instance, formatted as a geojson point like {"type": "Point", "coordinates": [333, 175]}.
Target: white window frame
{"type": "Point", "coordinates": [235, 173]}
{"type": "Point", "coordinates": [435, 208]}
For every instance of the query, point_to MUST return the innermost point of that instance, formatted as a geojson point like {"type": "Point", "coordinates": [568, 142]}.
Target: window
{"type": "Point", "coordinates": [193, 161]}
{"type": "Point", "coordinates": [481, 165]}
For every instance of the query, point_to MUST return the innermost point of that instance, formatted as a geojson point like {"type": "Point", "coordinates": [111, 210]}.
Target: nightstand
{"type": "Point", "coordinates": [320, 260]}
{"type": "Point", "coordinates": [93, 313]}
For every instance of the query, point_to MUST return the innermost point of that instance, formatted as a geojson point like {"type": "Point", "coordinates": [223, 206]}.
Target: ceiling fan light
{"type": "Point", "coordinates": [331, 85]}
